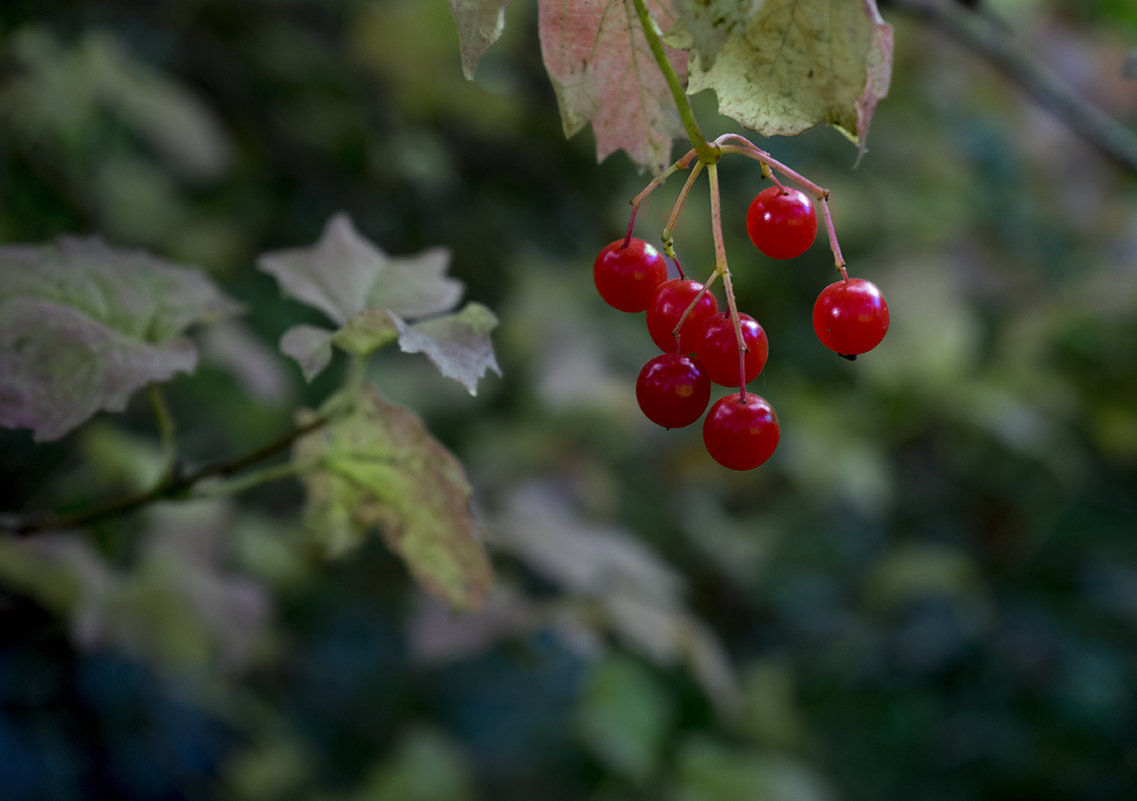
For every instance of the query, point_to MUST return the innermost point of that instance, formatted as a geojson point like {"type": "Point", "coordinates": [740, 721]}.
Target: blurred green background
{"type": "Point", "coordinates": [929, 593]}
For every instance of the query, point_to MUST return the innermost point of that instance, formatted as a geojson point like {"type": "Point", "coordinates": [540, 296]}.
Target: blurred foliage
{"type": "Point", "coordinates": [929, 593]}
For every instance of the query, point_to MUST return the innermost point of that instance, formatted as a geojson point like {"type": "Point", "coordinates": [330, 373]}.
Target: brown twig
{"type": "Point", "coordinates": [171, 487]}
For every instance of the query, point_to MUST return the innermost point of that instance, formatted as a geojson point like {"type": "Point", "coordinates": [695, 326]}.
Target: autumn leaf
{"type": "Point", "coordinates": [604, 73]}
{"type": "Point", "coordinates": [83, 325]}
{"type": "Point", "coordinates": [378, 468]}
{"type": "Point", "coordinates": [480, 23]}
{"type": "Point", "coordinates": [794, 64]}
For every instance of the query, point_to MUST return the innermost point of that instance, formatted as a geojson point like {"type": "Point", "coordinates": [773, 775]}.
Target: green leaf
{"type": "Point", "coordinates": [709, 771]}
{"type": "Point", "coordinates": [624, 717]}
{"type": "Point", "coordinates": [175, 607]}
{"type": "Point", "coordinates": [705, 25]}
{"type": "Point", "coordinates": [367, 331]}
{"type": "Point", "coordinates": [480, 24]}
{"type": "Point", "coordinates": [83, 325]}
{"type": "Point", "coordinates": [794, 64]}
{"type": "Point", "coordinates": [459, 343]}
{"type": "Point", "coordinates": [344, 273]}
{"type": "Point", "coordinates": [637, 594]}
{"type": "Point", "coordinates": [378, 467]}
{"type": "Point", "coordinates": [424, 766]}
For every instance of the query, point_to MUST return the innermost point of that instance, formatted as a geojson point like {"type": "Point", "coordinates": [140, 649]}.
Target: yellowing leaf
{"type": "Point", "coordinates": [798, 63]}
{"type": "Point", "coordinates": [83, 325]}
{"type": "Point", "coordinates": [480, 23]}
{"type": "Point", "coordinates": [378, 467]}
{"type": "Point", "coordinates": [603, 72]}
{"type": "Point", "coordinates": [704, 25]}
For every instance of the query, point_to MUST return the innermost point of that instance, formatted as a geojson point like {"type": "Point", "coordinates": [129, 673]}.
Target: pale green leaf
{"type": "Point", "coordinates": [379, 468]}
{"type": "Point", "coordinates": [709, 771]}
{"type": "Point", "coordinates": [344, 273]}
{"type": "Point", "coordinates": [638, 595]}
{"type": "Point", "coordinates": [175, 607]}
{"type": "Point", "coordinates": [797, 63]}
{"type": "Point", "coordinates": [310, 346]}
{"type": "Point", "coordinates": [480, 23]}
{"type": "Point", "coordinates": [624, 717]}
{"type": "Point", "coordinates": [424, 766]}
{"type": "Point", "coordinates": [83, 325]}
{"type": "Point", "coordinates": [459, 343]}
{"type": "Point", "coordinates": [705, 25]}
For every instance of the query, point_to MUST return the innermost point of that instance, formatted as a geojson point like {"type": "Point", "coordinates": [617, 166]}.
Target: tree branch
{"type": "Point", "coordinates": [170, 487]}
{"type": "Point", "coordinates": [989, 40]}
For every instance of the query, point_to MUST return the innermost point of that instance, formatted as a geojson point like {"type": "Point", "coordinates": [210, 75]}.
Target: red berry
{"type": "Point", "coordinates": [741, 432]}
{"type": "Point", "coordinates": [717, 349]}
{"type": "Point", "coordinates": [672, 390]}
{"type": "Point", "coordinates": [626, 277]}
{"type": "Point", "coordinates": [850, 316]}
{"type": "Point", "coordinates": [667, 304]}
{"type": "Point", "coordinates": [781, 222]}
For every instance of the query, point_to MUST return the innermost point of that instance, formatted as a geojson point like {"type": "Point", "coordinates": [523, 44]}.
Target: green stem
{"type": "Point", "coordinates": [254, 478]}
{"type": "Point", "coordinates": [708, 153]}
{"type": "Point", "coordinates": [167, 430]}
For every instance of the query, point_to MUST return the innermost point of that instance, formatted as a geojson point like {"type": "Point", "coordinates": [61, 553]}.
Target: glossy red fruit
{"type": "Point", "coordinates": [741, 433]}
{"type": "Point", "coordinates": [627, 276]}
{"type": "Point", "coordinates": [672, 390]}
{"type": "Point", "coordinates": [781, 222]}
{"type": "Point", "coordinates": [667, 304]}
{"type": "Point", "coordinates": [717, 349]}
{"type": "Point", "coordinates": [850, 316]}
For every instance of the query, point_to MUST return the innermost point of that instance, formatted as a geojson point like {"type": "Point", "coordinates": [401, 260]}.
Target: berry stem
{"type": "Point", "coordinates": [833, 245]}
{"type": "Point", "coordinates": [722, 269]}
{"type": "Point", "coordinates": [708, 153]}
{"type": "Point", "coordinates": [745, 147]}
{"type": "Point", "coordinates": [668, 241]}
{"type": "Point", "coordinates": [694, 301]}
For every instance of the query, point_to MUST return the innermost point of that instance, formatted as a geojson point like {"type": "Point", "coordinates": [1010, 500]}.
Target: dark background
{"type": "Point", "coordinates": [930, 592]}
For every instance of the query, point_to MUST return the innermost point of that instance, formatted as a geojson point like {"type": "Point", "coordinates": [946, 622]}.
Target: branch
{"type": "Point", "coordinates": [170, 487]}
{"type": "Point", "coordinates": [990, 41]}
{"type": "Point", "coordinates": [708, 154]}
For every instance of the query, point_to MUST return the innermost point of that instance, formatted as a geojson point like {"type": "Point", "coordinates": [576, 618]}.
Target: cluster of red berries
{"type": "Point", "coordinates": [702, 345]}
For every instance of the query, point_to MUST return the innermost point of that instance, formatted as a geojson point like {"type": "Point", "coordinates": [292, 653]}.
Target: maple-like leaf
{"type": "Point", "coordinates": [796, 63]}
{"type": "Point", "coordinates": [377, 299]}
{"type": "Point", "coordinates": [480, 23]}
{"type": "Point", "coordinates": [378, 467]}
{"type": "Point", "coordinates": [83, 325]}
{"type": "Point", "coordinates": [344, 273]}
{"type": "Point", "coordinates": [705, 25]}
{"type": "Point", "coordinates": [603, 72]}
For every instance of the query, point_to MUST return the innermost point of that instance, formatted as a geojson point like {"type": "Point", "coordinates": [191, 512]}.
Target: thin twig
{"type": "Point", "coordinates": [171, 487]}
{"type": "Point", "coordinates": [990, 40]}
